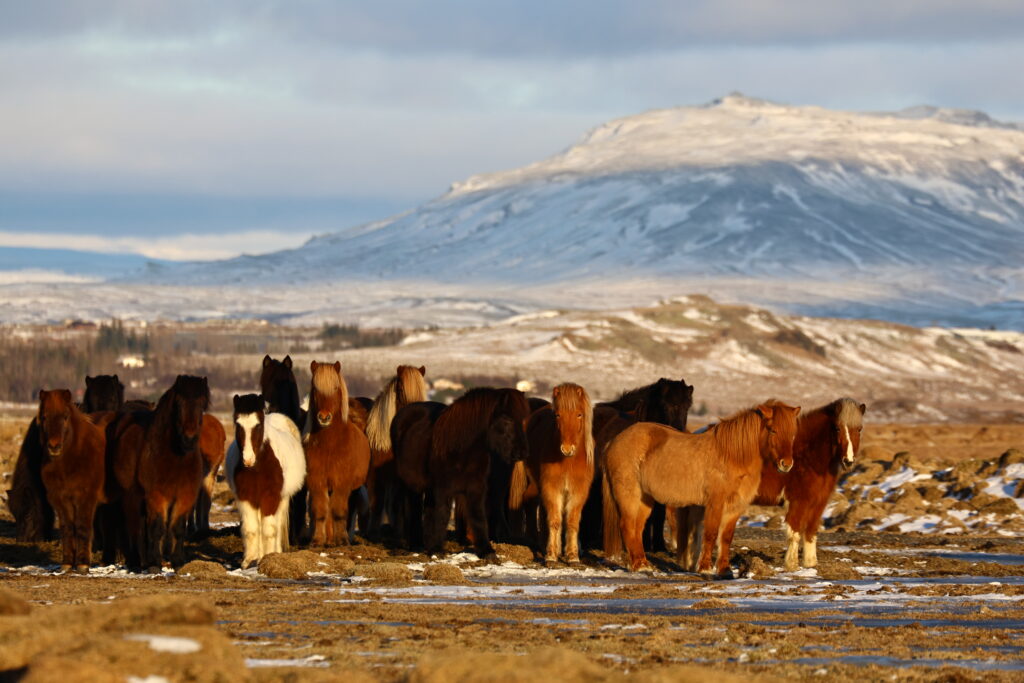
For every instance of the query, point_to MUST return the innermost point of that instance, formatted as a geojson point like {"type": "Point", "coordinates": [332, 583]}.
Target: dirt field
{"type": "Point", "coordinates": [944, 605]}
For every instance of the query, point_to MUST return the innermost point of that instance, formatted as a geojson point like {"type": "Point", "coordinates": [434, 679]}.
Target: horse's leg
{"type": "Point", "coordinates": [178, 534]}
{"type": "Point", "coordinates": [250, 533]}
{"type": "Point", "coordinates": [809, 534]}
{"type": "Point", "coordinates": [792, 562]}
{"type": "Point", "coordinates": [438, 511]}
{"type": "Point", "coordinates": [269, 529]}
{"type": "Point", "coordinates": [712, 521]}
{"type": "Point", "coordinates": [728, 528]}
{"type": "Point", "coordinates": [319, 504]}
{"type": "Point", "coordinates": [67, 536]}
{"type": "Point", "coordinates": [673, 531]}
{"type": "Point", "coordinates": [339, 517]}
{"type": "Point", "coordinates": [156, 529]}
{"type": "Point", "coordinates": [573, 512]}
{"type": "Point", "coordinates": [695, 519]}
{"type": "Point", "coordinates": [281, 543]}
{"type": "Point", "coordinates": [554, 503]}
{"type": "Point", "coordinates": [632, 517]}
{"type": "Point", "coordinates": [655, 527]}
{"type": "Point", "coordinates": [476, 509]}
{"type": "Point", "coordinates": [86, 529]}
{"type": "Point", "coordinates": [297, 516]}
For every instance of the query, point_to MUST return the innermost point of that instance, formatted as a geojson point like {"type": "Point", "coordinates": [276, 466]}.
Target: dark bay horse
{"type": "Point", "coordinates": [337, 455]}
{"type": "Point", "coordinates": [719, 469]}
{"type": "Point", "coordinates": [412, 431]}
{"type": "Point", "coordinates": [407, 386]}
{"type": "Point", "coordinates": [280, 392]}
{"type": "Point", "coordinates": [827, 441]}
{"type": "Point", "coordinates": [102, 393]}
{"type": "Point", "coordinates": [561, 462]}
{"type": "Point", "coordinates": [212, 440]}
{"type": "Point", "coordinates": [666, 402]}
{"type": "Point", "coordinates": [26, 499]}
{"type": "Point", "coordinates": [158, 466]}
{"type": "Point", "coordinates": [72, 472]}
{"type": "Point", "coordinates": [481, 431]}
{"type": "Point", "coordinates": [265, 467]}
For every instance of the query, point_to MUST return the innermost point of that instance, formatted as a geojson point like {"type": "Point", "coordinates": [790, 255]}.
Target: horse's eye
{"type": "Point", "coordinates": [579, 416]}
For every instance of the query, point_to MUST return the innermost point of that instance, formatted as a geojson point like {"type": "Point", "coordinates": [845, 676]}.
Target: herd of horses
{"type": "Point", "coordinates": [135, 479]}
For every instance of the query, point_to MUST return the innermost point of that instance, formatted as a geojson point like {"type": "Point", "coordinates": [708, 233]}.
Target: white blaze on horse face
{"type": "Point", "coordinates": [849, 446]}
{"type": "Point", "coordinates": [248, 422]}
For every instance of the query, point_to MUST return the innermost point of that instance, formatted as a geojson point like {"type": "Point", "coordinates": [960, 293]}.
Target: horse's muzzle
{"type": "Point", "coordinates": [189, 442]}
{"type": "Point", "coordinates": [54, 451]}
{"type": "Point", "coordinates": [568, 451]}
{"type": "Point", "coordinates": [784, 466]}
{"type": "Point", "coordinates": [325, 419]}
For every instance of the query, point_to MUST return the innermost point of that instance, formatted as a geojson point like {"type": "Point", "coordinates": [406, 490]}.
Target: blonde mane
{"type": "Point", "coordinates": [327, 381]}
{"type": "Point", "coordinates": [378, 424]}
{"type": "Point", "coordinates": [739, 435]}
{"type": "Point", "coordinates": [566, 397]}
{"type": "Point", "coordinates": [849, 413]}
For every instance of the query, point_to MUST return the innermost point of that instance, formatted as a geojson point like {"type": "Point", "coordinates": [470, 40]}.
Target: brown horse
{"type": "Point", "coordinates": [482, 432]}
{"type": "Point", "coordinates": [102, 393]}
{"type": "Point", "coordinates": [72, 472]}
{"type": "Point", "coordinates": [337, 455]}
{"type": "Point", "coordinates": [407, 386]}
{"type": "Point", "coordinates": [720, 469]}
{"type": "Point", "coordinates": [561, 460]}
{"type": "Point", "coordinates": [26, 499]}
{"type": "Point", "coordinates": [212, 441]}
{"type": "Point", "coordinates": [827, 440]}
{"type": "Point", "coordinates": [412, 431]}
{"type": "Point", "coordinates": [158, 466]}
{"type": "Point", "coordinates": [667, 402]}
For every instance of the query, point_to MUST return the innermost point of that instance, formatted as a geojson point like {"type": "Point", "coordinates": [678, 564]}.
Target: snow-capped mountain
{"type": "Point", "coordinates": [915, 216]}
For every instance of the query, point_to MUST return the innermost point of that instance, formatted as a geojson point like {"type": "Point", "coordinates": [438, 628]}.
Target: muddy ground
{"type": "Point", "coordinates": [945, 605]}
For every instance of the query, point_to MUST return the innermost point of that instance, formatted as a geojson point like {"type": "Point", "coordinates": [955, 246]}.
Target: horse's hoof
{"type": "Point", "coordinates": [726, 574]}
{"type": "Point", "coordinates": [646, 567]}
{"type": "Point", "coordinates": [706, 574]}
{"type": "Point", "coordinates": [154, 570]}
{"type": "Point", "coordinates": [65, 568]}
{"type": "Point", "coordinates": [491, 557]}
{"type": "Point", "coordinates": [574, 562]}
{"type": "Point", "coordinates": [550, 564]}
{"type": "Point", "coordinates": [82, 569]}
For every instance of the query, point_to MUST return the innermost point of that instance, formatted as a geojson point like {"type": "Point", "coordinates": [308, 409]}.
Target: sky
{"type": "Point", "coordinates": [206, 129]}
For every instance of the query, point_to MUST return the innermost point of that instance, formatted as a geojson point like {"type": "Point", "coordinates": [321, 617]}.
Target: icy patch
{"type": "Point", "coordinates": [147, 679]}
{"type": "Point", "coordinates": [172, 644]}
{"type": "Point", "coordinates": [430, 591]}
{"type": "Point", "coordinates": [310, 662]}
{"type": "Point", "coordinates": [904, 476]}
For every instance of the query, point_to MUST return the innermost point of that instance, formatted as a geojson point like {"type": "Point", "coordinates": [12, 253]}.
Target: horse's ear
{"type": "Point", "coordinates": [66, 393]}
{"type": "Point", "coordinates": [42, 395]}
{"type": "Point", "coordinates": [88, 381]}
{"type": "Point", "coordinates": [764, 411]}
{"type": "Point", "coordinates": [796, 411]}
{"type": "Point", "coordinates": [287, 362]}
{"type": "Point", "coordinates": [234, 401]}
{"type": "Point", "coordinates": [337, 366]}
{"type": "Point", "coordinates": [556, 392]}
{"type": "Point", "coordinates": [423, 370]}
{"type": "Point", "coordinates": [267, 360]}
{"type": "Point", "coordinates": [689, 390]}
{"type": "Point", "coordinates": [863, 408]}
{"type": "Point", "coordinates": [312, 366]}
{"type": "Point", "coordinates": [116, 379]}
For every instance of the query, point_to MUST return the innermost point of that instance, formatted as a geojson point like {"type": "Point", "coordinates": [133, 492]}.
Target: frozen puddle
{"type": "Point", "coordinates": [869, 660]}
{"type": "Point", "coordinates": [310, 662]}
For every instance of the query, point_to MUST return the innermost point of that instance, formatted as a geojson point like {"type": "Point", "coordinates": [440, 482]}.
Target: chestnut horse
{"type": "Point", "coordinates": [720, 469]}
{"type": "Point", "coordinates": [666, 402]}
{"type": "Point", "coordinates": [265, 466]}
{"type": "Point", "coordinates": [561, 461]}
{"type": "Point", "coordinates": [212, 440]}
{"type": "Point", "coordinates": [482, 431]}
{"type": "Point", "coordinates": [72, 472]}
{"type": "Point", "coordinates": [337, 455]}
{"type": "Point", "coordinates": [827, 440]}
{"type": "Point", "coordinates": [158, 466]}
{"type": "Point", "coordinates": [412, 431]}
{"type": "Point", "coordinates": [407, 386]}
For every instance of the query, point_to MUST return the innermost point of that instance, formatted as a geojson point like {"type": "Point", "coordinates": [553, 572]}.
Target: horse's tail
{"type": "Point", "coordinates": [610, 519]}
{"type": "Point", "coordinates": [517, 486]}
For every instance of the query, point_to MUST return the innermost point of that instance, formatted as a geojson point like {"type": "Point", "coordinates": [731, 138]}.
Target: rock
{"type": "Point", "coordinates": [202, 569]}
{"type": "Point", "coordinates": [908, 501]}
{"type": "Point", "coordinates": [759, 569]}
{"type": "Point", "coordinates": [899, 461]}
{"type": "Point", "coordinates": [297, 565]}
{"type": "Point", "coordinates": [861, 512]}
{"type": "Point", "coordinates": [444, 573]}
{"type": "Point", "coordinates": [385, 573]}
{"type": "Point", "coordinates": [459, 665]}
{"type": "Point", "coordinates": [12, 604]}
{"type": "Point", "coordinates": [775, 522]}
{"type": "Point", "coordinates": [519, 554]}
{"type": "Point", "coordinates": [930, 492]}
{"type": "Point", "coordinates": [1013, 456]}
{"type": "Point", "coordinates": [838, 571]}
{"type": "Point", "coordinates": [1001, 506]}
{"type": "Point", "coordinates": [711, 603]}
{"type": "Point", "coordinates": [981, 500]}
{"type": "Point", "coordinates": [1018, 492]}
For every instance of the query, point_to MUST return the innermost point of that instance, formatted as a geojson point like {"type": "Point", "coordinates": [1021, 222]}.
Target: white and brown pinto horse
{"type": "Point", "coordinates": [265, 467]}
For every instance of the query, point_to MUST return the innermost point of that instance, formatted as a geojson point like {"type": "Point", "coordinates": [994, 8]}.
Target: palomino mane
{"type": "Point", "coordinates": [378, 423]}
{"type": "Point", "coordinates": [328, 381]}
{"type": "Point", "coordinates": [567, 398]}
{"type": "Point", "coordinates": [740, 434]}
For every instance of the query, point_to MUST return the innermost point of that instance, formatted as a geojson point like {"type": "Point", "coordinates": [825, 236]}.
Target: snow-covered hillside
{"type": "Point", "coordinates": [915, 216]}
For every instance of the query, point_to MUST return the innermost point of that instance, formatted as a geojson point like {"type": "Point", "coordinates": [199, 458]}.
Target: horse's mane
{"type": "Point", "coordinates": [163, 414]}
{"type": "Point", "coordinates": [628, 400]}
{"type": "Point", "coordinates": [740, 434]}
{"type": "Point", "coordinates": [463, 421]}
{"type": "Point", "coordinates": [378, 423]}
{"type": "Point", "coordinates": [848, 413]}
{"type": "Point", "coordinates": [568, 398]}
{"type": "Point", "coordinates": [328, 381]}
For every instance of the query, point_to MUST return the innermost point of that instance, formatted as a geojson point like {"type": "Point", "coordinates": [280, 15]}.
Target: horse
{"type": "Point", "coordinates": [827, 441]}
{"type": "Point", "coordinates": [407, 386]}
{"type": "Point", "coordinates": [412, 432]}
{"type": "Point", "coordinates": [265, 466]}
{"type": "Point", "coordinates": [102, 393]}
{"type": "Point", "coordinates": [536, 403]}
{"type": "Point", "coordinates": [480, 432]}
{"type": "Point", "coordinates": [211, 444]}
{"type": "Point", "coordinates": [666, 402]}
{"type": "Point", "coordinates": [72, 472]}
{"type": "Point", "coordinates": [337, 455]}
{"type": "Point", "coordinates": [720, 469]}
{"type": "Point", "coordinates": [158, 466]}
{"type": "Point", "coordinates": [561, 461]}
{"type": "Point", "coordinates": [26, 499]}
